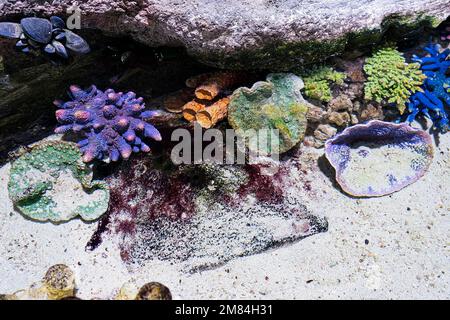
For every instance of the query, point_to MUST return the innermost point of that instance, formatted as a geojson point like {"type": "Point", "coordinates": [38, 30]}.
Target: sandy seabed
{"type": "Point", "coordinates": [394, 247]}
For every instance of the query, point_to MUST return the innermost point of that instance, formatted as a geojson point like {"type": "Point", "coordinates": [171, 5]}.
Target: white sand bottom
{"type": "Point", "coordinates": [406, 254]}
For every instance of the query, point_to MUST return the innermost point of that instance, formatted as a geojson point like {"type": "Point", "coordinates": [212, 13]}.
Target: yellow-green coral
{"type": "Point", "coordinates": [390, 78]}
{"type": "Point", "coordinates": [318, 80]}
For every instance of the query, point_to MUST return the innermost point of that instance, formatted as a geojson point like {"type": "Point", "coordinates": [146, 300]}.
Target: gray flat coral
{"type": "Point", "coordinates": [379, 158]}
{"type": "Point", "coordinates": [51, 183]}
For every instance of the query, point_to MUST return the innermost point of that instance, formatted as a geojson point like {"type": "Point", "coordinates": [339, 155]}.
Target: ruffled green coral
{"type": "Point", "coordinates": [275, 104]}
{"type": "Point", "coordinates": [391, 79]}
{"type": "Point", "coordinates": [51, 182]}
{"type": "Point", "coordinates": [318, 81]}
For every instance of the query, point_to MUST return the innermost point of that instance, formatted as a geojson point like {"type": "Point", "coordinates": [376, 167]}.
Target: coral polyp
{"type": "Point", "coordinates": [113, 124]}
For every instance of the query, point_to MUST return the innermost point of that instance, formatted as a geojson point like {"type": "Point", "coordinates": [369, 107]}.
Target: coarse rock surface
{"type": "Point", "coordinates": [393, 247]}
{"type": "Point", "coordinates": [267, 34]}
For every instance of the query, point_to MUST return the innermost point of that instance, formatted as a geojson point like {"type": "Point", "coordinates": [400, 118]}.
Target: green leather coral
{"type": "Point", "coordinates": [273, 104]}
{"type": "Point", "coordinates": [391, 79]}
{"type": "Point", "coordinates": [318, 80]}
{"type": "Point", "coordinates": [51, 183]}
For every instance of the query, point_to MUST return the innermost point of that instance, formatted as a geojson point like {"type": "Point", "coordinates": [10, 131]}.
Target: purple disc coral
{"type": "Point", "coordinates": [379, 158]}
{"type": "Point", "coordinates": [113, 124]}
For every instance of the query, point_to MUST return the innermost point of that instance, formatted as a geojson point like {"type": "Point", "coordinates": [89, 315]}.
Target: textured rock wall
{"type": "Point", "coordinates": [267, 34]}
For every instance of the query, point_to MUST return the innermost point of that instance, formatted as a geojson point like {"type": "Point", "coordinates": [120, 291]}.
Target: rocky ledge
{"type": "Point", "coordinates": [257, 34]}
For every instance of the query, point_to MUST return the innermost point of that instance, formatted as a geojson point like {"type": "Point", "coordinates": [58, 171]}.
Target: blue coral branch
{"type": "Point", "coordinates": [434, 101]}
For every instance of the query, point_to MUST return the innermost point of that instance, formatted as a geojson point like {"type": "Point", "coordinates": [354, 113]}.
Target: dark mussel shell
{"type": "Point", "coordinates": [57, 22]}
{"type": "Point", "coordinates": [10, 30]}
{"type": "Point", "coordinates": [76, 43]}
{"type": "Point", "coordinates": [60, 49]}
{"type": "Point", "coordinates": [50, 49]}
{"type": "Point", "coordinates": [37, 29]}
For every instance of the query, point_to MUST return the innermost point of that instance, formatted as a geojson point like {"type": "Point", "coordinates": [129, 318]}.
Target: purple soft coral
{"type": "Point", "coordinates": [113, 123]}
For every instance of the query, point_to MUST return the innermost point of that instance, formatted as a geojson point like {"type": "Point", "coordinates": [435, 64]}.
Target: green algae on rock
{"type": "Point", "coordinates": [391, 79]}
{"type": "Point", "coordinates": [275, 104]}
{"type": "Point", "coordinates": [51, 183]}
{"type": "Point", "coordinates": [318, 80]}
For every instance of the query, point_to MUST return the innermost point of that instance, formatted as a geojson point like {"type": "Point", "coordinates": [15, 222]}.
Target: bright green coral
{"type": "Point", "coordinates": [318, 81]}
{"type": "Point", "coordinates": [51, 182]}
{"type": "Point", "coordinates": [391, 79]}
{"type": "Point", "coordinates": [275, 104]}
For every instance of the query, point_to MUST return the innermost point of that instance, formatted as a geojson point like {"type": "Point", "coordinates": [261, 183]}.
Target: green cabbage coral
{"type": "Point", "coordinates": [51, 183]}
{"type": "Point", "coordinates": [391, 79]}
{"type": "Point", "coordinates": [275, 105]}
{"type": "Point", "coordinates": [318, 80]}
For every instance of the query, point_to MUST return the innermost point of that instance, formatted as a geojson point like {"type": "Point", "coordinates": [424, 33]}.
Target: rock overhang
{"type": "Point", "coordinates": [272, 34]}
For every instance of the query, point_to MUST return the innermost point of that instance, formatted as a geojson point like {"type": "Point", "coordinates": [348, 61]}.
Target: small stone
{"type": "Point", "coordinates": [371, 112]}
{"type": "Point", "coordinates": [339, 118]}
{"type": "Point", "coordinates": [154, 291]}
{"type": "Point", "coordinates": [324, 132]}
{"type": "Point", "coordinates": [356, 90]}
{"type": "Point", "coordinates": [315, 114]}
{"type": "Point", "coordinates": [59, 282]}
{"type": "Point", "coordinates": [354, 119]}
{"type": "Point", "coordinates": [341, 103]}
{"type": "Point", "coordinates": [310, 141]}
{"type": "Point", "coordinates": [8, 297]}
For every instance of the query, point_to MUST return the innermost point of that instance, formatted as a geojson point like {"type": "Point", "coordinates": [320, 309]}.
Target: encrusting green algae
{"type": "Point", "coordinates": [51, 183]}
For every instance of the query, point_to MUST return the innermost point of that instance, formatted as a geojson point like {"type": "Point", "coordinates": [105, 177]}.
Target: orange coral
{"type": "Point", "coordinates": [203, 100]}
{"type": "Point", "coordinates": [216, 83]}
{"type": "Point", "coordinates": [191, 108]}
{"type": "Point", "coordinates": [209, 116]}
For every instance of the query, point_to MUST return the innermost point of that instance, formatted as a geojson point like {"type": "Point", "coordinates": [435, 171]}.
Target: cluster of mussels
{"type": "Point", "coordinates": [50, 36]}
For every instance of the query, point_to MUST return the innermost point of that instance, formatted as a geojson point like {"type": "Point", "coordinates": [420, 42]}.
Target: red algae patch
{"type": "Point", "coordinates": [204, 215]}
